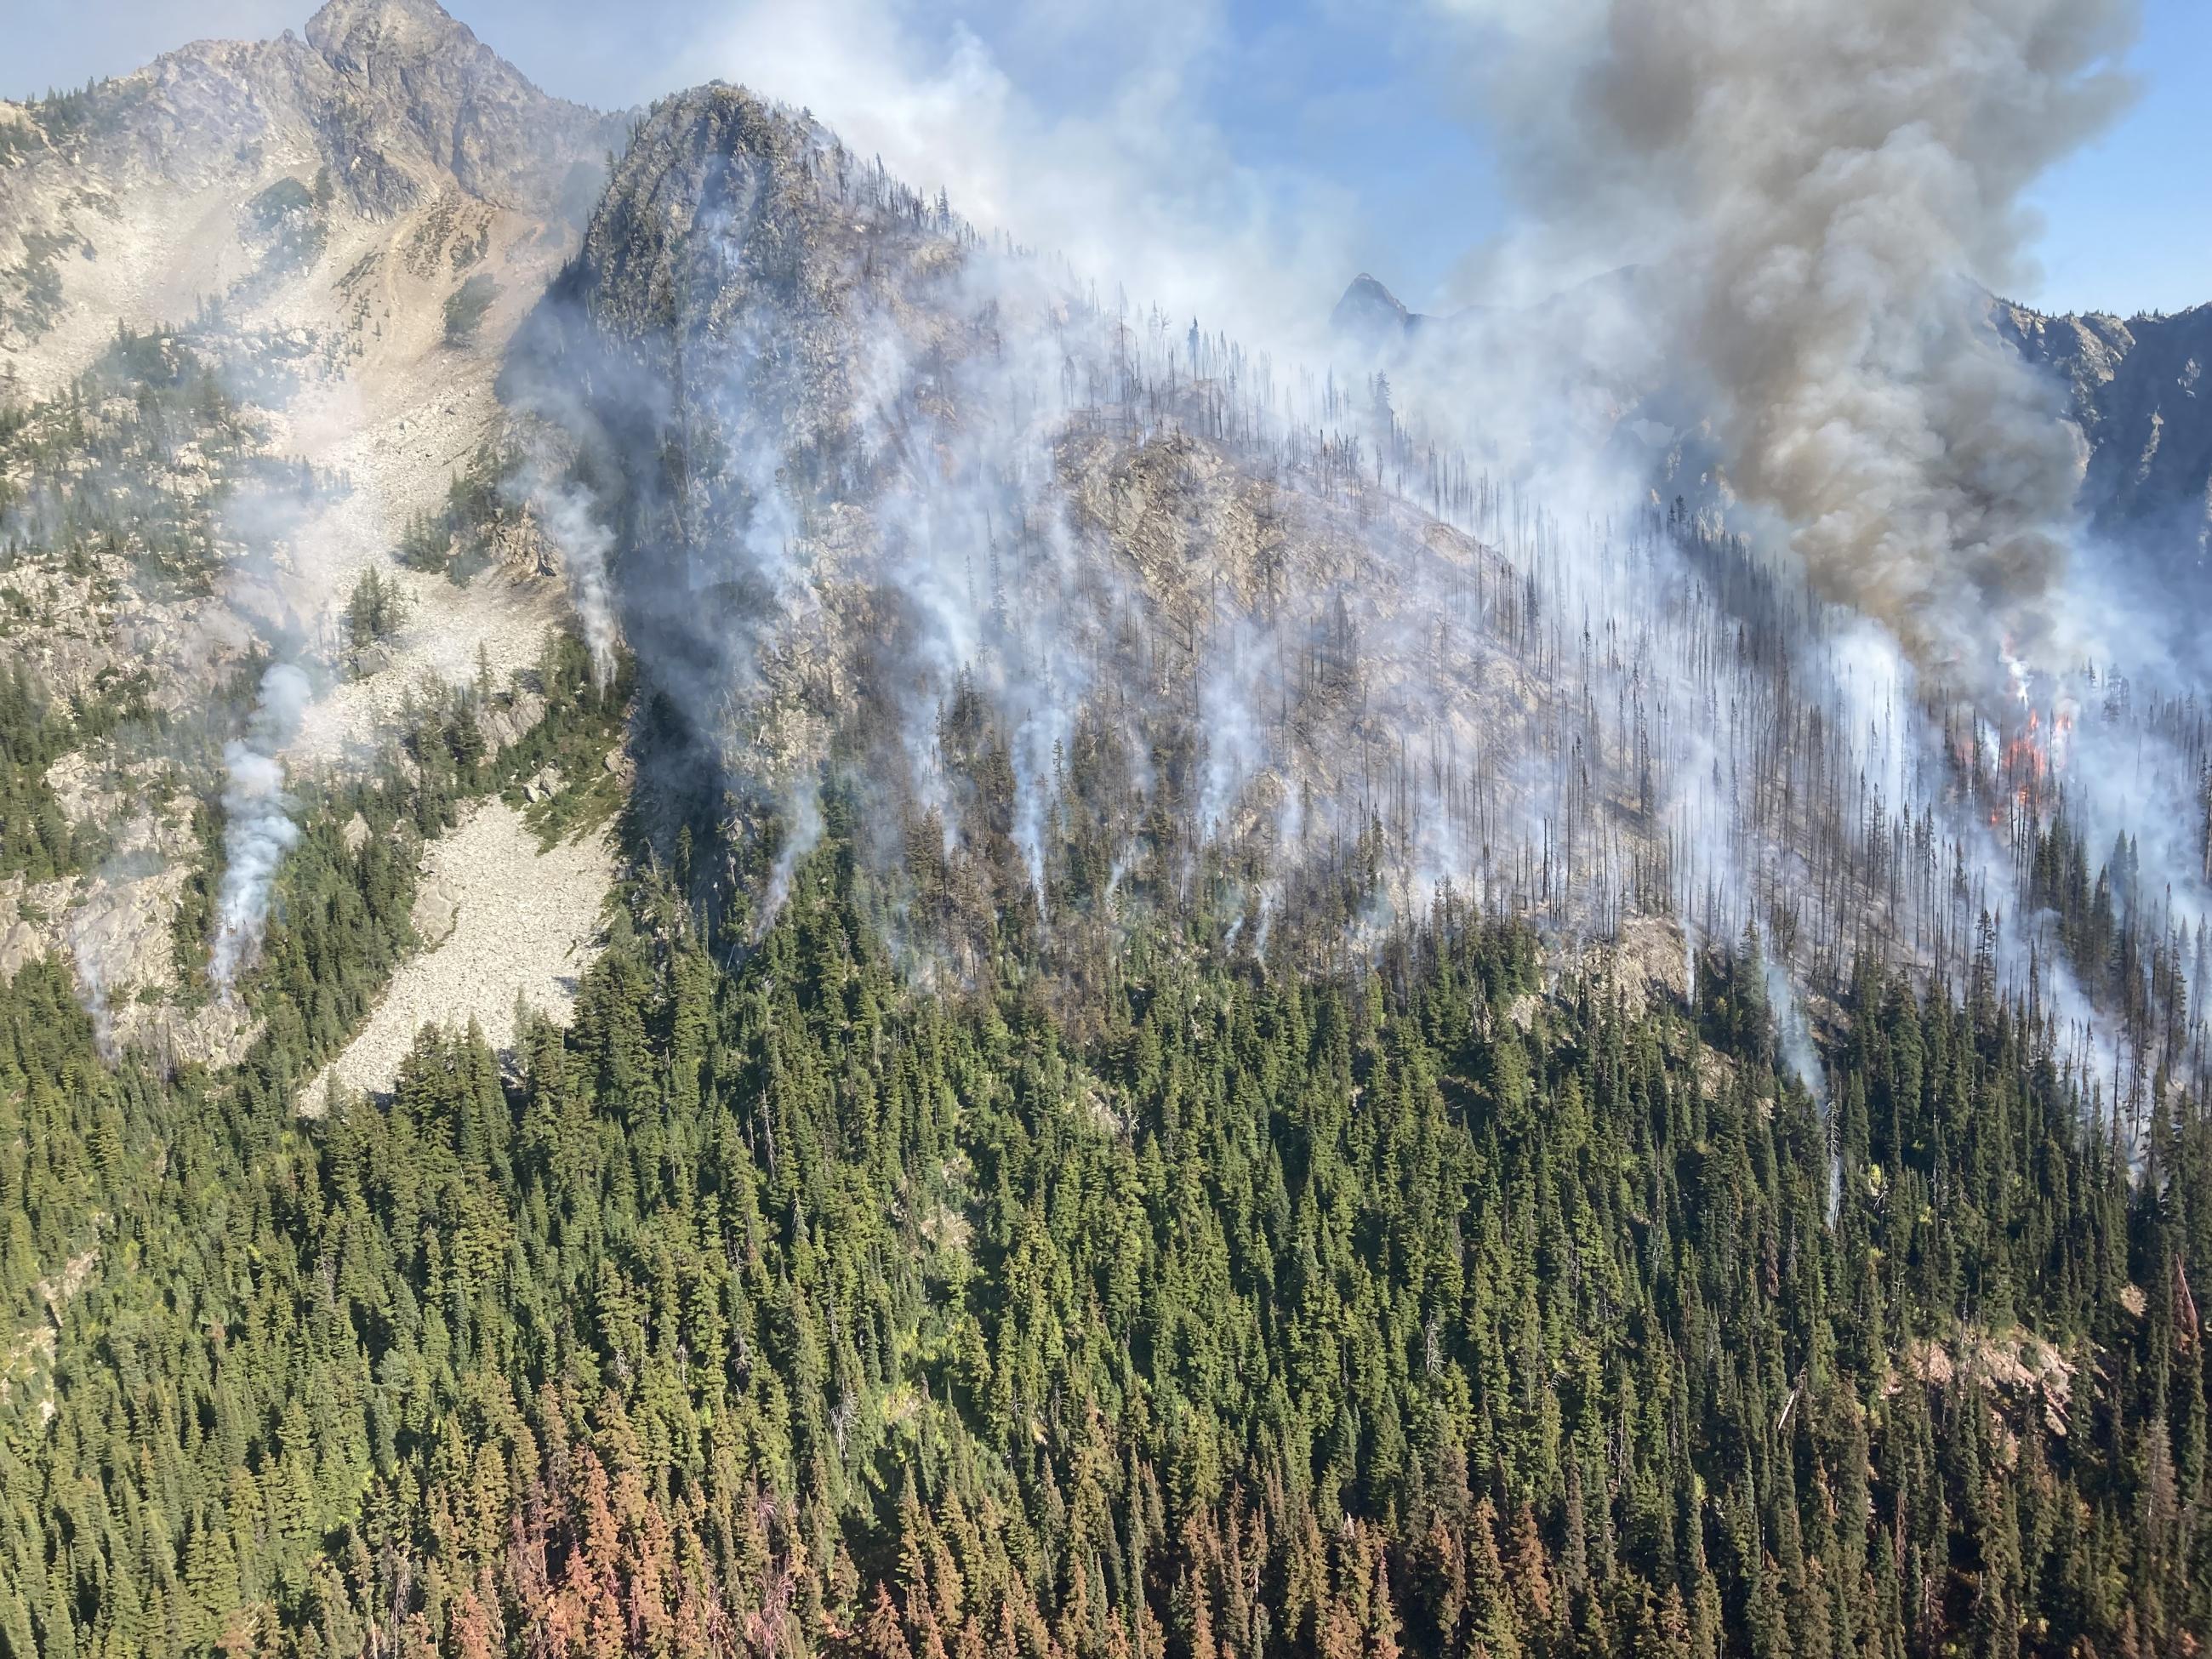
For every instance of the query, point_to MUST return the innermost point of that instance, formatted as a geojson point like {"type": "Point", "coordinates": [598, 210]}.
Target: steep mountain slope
{"type": "Point", "coordinates": [891, 497]}
{"type": "Point", "coordinates": [791, 1312]}
{"type": "Point", "coordinates": [1196, 1050]}
{"type": "Point", "coordinates": [872, 472]}
{"type": "Point", "coordinates": [1106, 613]}
{"type": "Point", "coordinates": [251, 302]}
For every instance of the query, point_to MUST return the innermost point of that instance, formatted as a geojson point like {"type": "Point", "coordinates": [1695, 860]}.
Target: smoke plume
{"type": "Point", "coordinates": [92, 982]}
{"type": "Point", "coordinates": [802, 834]}
{"type": "Point", "coordinates": [568, 515]}
{"type": "Point", "coordinates": [1819, 187]}
{"type": "Point", "coordinates": [258, 829]}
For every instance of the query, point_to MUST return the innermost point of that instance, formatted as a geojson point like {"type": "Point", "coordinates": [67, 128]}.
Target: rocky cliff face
{"type": "Point", "coordinates": [410, 90]}
{"type": "Point", "coordinates": [2141, 389]}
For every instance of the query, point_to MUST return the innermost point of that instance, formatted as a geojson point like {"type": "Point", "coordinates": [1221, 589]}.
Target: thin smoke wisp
{"type": "Point", "coordinates": [567, 513]}
{"type": "Point", "coordinates": [258, 828]}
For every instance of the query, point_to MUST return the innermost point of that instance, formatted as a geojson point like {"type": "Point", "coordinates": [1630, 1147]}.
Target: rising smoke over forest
{"type": "Point", "coordinates": [751, 907]}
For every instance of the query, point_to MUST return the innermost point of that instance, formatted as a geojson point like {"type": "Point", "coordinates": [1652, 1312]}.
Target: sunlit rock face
{"type": "Point", "coordinates": [2142, 391]}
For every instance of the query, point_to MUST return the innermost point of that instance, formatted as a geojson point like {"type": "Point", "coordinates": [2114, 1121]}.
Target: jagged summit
{"type": "Point", "coordinates": [410, 64]}
{"type": "Point", "coordinates": [1371, 310]}
{"type": "Point", "coordinates": [1198, 1022]}
{"type": "Point", "coordinates": [138, 198]}
{"type": "Point", "coordinates": [675, 232]}
{"type": "Point", "coordinates": [398, 96]}
{"type": "Point", "coordinates": [2141, 389]}
{"type": "Point", "coordinates": [362, 34]}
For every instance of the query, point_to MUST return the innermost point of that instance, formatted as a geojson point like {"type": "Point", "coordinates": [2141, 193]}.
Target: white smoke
{"type": "Point", "coordinates": [568, 515]}
{"type": "Point", "coordinates": [802, 834]}
{"type": "Point", "coordinates": [1793, 1038]}
{"type": "Point", "coordinates": [258, 828]}
{"type": "Point", "coordinates": [1793, 1033]}
{"type": "Point", "coordinates": [1236, 747]}
{"type": "Point", "coordinates": [92, 982]}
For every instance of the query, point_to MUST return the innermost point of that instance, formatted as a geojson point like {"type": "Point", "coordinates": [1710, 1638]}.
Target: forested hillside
{"type": "Point", "coordinates": [1405, 1309]}
{"type": "Point", "coordinates": [1186, 1022]}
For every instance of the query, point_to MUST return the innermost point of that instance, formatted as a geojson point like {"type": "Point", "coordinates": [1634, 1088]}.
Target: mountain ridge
{"type": "Point", "coordinates": [2137, 386]}
{"type": "Point", "coordinates": [1140, 1013]}
{"type": "Point", "coordinates": [385, 104]}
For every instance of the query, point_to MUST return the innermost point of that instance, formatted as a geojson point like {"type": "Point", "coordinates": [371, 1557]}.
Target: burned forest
{"type": "Point", "coordinates": [738, 919]}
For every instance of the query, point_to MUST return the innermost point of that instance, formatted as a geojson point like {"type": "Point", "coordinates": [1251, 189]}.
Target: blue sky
{"type": "Point", "coordinates": [2128, 221]}
{"type": "Point", "coordinates": [1335, 118]}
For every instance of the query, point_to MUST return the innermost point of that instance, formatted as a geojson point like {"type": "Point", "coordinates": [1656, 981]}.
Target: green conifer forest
{"type": "Point", "coordinates": [786, 1303]}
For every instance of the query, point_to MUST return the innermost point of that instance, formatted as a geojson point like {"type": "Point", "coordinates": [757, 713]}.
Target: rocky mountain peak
{"type": "Point", "coordinates": [370, 36]}
{"type": "Point", "coordinates": [674, 233]}
{"type": "Point", "coordinates": [399, 97]}
{"type": "Point", "coordinates": [2136, 387]}
{"type": "Point", "coordinates": [421, 83]}
{"type": "Point", "coordinates": [1370, 308]}
{"type": "Point", "coordinates": [387, 108]}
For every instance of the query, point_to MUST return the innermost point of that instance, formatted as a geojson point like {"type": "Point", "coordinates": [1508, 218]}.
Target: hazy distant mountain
{"type": "Point", "coordinates": [2138, 387]}
{"type": "Point", "coordinates": [1371, 310]}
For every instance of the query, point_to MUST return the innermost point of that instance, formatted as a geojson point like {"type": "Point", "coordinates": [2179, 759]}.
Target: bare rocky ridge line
{"type": "Point", "coordinates": [392, 104]}
{"type": "Point", "coordinates": [2141, 388]}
